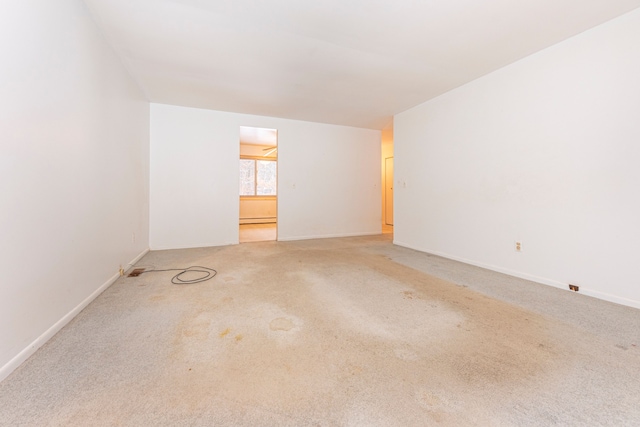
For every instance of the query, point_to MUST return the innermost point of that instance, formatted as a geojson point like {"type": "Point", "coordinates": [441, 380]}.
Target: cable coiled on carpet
{"type": "Point", "coordinates": [207, 273]}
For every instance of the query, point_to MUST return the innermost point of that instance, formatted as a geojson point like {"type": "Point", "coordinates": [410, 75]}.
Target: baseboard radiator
{"type": "Point", "coordinates": [260, 220]}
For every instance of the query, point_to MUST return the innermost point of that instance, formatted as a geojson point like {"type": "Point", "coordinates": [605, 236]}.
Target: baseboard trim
{"type": "Point", "coordinates": [542, 280]}
{"type": "Point", "coordinates": [21, 357]}
{"type": "Point", "coordinates": [328, 236]}
{"type": "Point", "coordinates": [611, 298]}
{"type": "Point", "coordinates": [196, 246]}
{"type": "Point", "coordinates": [136, 259]}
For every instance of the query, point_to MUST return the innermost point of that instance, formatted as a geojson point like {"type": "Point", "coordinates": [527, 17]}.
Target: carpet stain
{"type": "Point", "coordinates": [281, 324]}
{"type": "Point", "coordinates": [406, 354]}
{"type": "Point", "coordinates": [436, 409]}
{"type": "Point", "coordinates": [408, 294]}
{"type": "Point", "coordinates": [381, 322]}
{"type": "Point", "coordinates": [428, 400]}
{"type": "Point", "coordinates": [382, 344]}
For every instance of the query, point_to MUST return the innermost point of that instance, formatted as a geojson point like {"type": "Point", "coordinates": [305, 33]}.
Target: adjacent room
{"type": "Point", "coordinates": [389, 213]}
{"type": "Point", "coordinates": [258, 184]}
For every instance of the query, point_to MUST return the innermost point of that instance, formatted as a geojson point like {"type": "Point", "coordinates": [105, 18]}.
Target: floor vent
{"type": "Point", "coordinates": [136, 272]}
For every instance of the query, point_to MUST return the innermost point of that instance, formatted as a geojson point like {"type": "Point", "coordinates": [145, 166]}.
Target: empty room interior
{"type": "Point", "coordinates": [258, 220]}
{"type": "Point", "coordinates": [389, 213]}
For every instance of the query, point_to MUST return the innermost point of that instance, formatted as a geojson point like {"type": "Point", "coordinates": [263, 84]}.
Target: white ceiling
{"type": "Point", "coordinates": [348, 62]}
{"type": "Point", "coordinates": [258, 136]}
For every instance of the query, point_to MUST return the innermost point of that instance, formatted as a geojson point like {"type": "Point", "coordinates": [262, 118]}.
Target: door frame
{"type": "Point", "coordinates": [386, 217]}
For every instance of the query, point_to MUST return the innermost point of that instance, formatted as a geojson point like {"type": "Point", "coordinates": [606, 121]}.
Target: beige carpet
{"type": "Point", "coordinates": [353, 332]}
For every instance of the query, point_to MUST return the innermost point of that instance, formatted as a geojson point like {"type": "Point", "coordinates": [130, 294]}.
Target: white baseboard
{"type": "Point", "coordinates": [537, 279]}
{"type": "Point", "coordinates": [136, 259]}
{"type": "Point", "coordinates": [21, 357]}
{"type": "Point", "coordinates": [328, 236]}
{"type": "Point", "coordinates": [194, 246]}
{"type": "Point", "coordinates": [611, 298]}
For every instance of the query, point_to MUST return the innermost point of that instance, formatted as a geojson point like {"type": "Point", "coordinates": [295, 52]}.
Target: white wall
{"type": "Point", "coordinates": [328, 178]}
{"type": "Point", "coordinates": [546, 151]}
{"type": "Point", "coordinates": [74, 134]}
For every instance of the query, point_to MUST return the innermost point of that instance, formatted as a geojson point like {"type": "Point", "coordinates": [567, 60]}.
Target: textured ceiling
{"type": "Point", "coordinates": [348, 62]}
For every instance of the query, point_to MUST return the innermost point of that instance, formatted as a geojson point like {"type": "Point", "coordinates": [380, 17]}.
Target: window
{"type": "Point", "coordinates": [258, 177]}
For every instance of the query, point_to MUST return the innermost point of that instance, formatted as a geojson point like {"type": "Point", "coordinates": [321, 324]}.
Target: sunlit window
{"type": "Point", "coordinates": [258, 177]}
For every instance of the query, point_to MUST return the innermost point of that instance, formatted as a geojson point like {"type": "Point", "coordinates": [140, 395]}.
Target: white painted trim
{"type": "Point", "coordinates": [21, 357]}
{"type": "Point", "coordinates": [611, 298]}
{"type": "Point", "coordinates": [197, 246]}
{"type": "Point", "coordinates": [329, 236]}
{"type": "Point", "coordinates": [280, 239]}
{"type": "Point", "coordinates": [537, 279]}
{"type": "Point", "coordinates": [136, 259]}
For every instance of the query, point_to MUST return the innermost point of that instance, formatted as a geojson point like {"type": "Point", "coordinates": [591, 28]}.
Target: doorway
{"type": "Point", "coordinates": [386, 176]}
{"type": "Point", "coordinates": [388, 191]}
{"type": "Point", "coordinates": [258, 194]}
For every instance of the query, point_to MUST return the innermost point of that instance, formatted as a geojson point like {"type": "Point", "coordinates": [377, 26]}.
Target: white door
{"type": "Point", "coordinates": [388, 191]}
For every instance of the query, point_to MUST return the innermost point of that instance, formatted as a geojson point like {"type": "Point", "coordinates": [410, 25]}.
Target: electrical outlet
{"type": "Point", "coordinates": [121, 271]}
{"type": "Point", "coordinates": [518, 247]}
